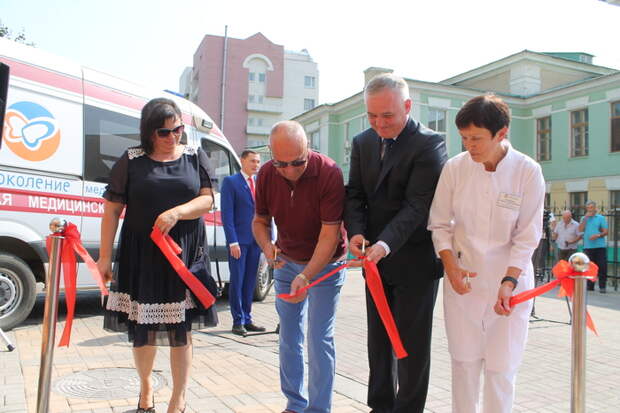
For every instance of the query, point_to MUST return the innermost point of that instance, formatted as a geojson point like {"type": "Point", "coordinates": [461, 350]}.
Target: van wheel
{"type": "Point", "coordinates": [264, 279]}
{"type": "Point", "coordinates": [17, 291]}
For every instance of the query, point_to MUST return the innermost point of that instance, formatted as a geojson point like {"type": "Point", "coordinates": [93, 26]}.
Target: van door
{"type": "Point", "coordinates": [107, 134]}
{"type": "Point", "coordinates": [221, 164]}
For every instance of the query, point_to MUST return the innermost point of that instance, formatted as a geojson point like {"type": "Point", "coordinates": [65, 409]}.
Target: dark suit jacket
{"type": "Point", "coordinates": [237, 209]}
{"type": "Point", "coordinates": [391, 202]}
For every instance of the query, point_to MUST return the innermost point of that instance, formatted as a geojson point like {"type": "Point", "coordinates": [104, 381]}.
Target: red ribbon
{"type": "Point", "coordinates": [375, 286]}
{"type": "Point", "coordinates": [73, 244]}
{"type": "Point", "coordinates": [171, 250]}
{"type": "Point", "coordinates": [563, 272]}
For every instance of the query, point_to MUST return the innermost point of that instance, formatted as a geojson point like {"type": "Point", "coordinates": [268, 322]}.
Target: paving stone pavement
{"type": "Point", "coordinates": [234, 374]}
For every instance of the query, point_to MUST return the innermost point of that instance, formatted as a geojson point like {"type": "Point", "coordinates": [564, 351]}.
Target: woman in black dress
{"type": "Point", "coordinates": [163, 184]}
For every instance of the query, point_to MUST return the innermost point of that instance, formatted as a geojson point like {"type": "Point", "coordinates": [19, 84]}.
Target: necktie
{"type": "Point", "coordinates": [252, 189]}
{"type": "Point", "coordinates": [386, 144]}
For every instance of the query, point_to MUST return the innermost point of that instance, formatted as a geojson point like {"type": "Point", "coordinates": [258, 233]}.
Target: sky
{"type": "Point", "coordinates": [151, 42]}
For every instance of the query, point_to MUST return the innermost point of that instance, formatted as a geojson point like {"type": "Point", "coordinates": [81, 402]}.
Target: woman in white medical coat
{"type": "Point", "coordinates": [486, 220]}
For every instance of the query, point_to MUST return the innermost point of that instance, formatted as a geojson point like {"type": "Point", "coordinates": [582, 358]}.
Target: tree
{"type": "Point", "coordinates": [19, 37]}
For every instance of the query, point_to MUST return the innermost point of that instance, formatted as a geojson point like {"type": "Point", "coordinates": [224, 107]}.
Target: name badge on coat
{"type": "Point", "coordinates": [510, 201]}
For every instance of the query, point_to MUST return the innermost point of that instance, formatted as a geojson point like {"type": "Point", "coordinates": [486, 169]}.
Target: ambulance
{"type": "Point", "coordinates": [64, 127]}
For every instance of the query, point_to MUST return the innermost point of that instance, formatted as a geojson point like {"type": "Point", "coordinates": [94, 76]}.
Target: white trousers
{"type": "Point", "coordinates": [499, 388]}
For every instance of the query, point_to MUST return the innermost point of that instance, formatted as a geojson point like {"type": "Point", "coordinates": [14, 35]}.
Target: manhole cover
{"type": "Point", "coordinates": [104, 384]}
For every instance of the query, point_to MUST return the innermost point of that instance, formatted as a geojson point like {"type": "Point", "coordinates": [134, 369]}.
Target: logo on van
{"type": "Point", "coordinates": [30, 131]}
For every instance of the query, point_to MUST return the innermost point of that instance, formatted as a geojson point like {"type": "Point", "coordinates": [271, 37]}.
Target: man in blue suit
{"type": "Point", "coordinates": [238, 194]}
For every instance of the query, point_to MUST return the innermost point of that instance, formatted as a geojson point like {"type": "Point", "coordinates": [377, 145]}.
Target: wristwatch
{"type": "Point", "coordinates": [513, 280]}
{"type": "Point", "coordinates": [303, 276]}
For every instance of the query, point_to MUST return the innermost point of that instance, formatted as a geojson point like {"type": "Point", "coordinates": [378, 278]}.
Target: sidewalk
{"type": "Point", "coordinates": [234, 374]}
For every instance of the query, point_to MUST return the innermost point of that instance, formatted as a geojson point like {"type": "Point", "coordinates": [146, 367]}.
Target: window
{"type": "Point", "coordinates": [543, 138]}
{"type": "Point", "coordinates": [251, 76]}
{"type": "Point", "coordinates": [615, 127]}
{"type": "Point", "coordinates": [437, 121]}
{"type": "Point", "coordinates": [250, 121]}
{"type": "Point", "coordinates": [261, 77]}
{"type": "Point", "coordinates": [107, 136]}
{"type": "Point", "coordinates": [547, 200]}
{"type": "Point", "coordinates": [220, 165]}
{"type": "Point", "coordinates": [365, 124]}
{"type": "Point", "coordinates": [315, 140]}
{"type": "Point", "coordinates": [578, 203]}
{"type": "Point", "coordinates": [251, 98]}
{"type": "Point", "coordinates": [579, 132]}
{"type": "Point", "coordinates": [259, 122]}
{"type": "Point", "coordinates": [308, 104]}
{"type": "Point", "coordinates": [261, 98]}
{"type": "Point", "coordinates": [309, 82]}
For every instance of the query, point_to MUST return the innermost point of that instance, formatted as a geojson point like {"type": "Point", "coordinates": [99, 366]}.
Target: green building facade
{"type": "Point", "coordinates": [565, 114]}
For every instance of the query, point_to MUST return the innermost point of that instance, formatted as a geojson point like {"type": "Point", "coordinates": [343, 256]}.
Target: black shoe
{"type": "Point", "coordinates": [603, 291]}
{"type": "Point", "coordinates": [254, 328]}
{"type": "Point", "coordinates": [148, 409]}
{"type": "Point", "coordinates": [239, 330]}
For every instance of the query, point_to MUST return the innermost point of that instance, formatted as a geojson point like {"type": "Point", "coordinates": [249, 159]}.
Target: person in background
{"type": "Point", "coordinates": [238, 193]}
{"type": "Point", "coordinates": [594, 228]}
{"type": "Point", "coordinates": [566, 235]}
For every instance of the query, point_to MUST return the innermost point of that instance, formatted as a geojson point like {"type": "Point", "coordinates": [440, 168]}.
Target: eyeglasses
{"type": "Point", "coordinates": [165, 132]}
{"type": "Point", "coordinates": [295, 163]}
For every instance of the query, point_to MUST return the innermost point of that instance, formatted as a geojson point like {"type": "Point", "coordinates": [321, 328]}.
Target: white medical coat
{"type": "Point", "coordinates": [490, 221]}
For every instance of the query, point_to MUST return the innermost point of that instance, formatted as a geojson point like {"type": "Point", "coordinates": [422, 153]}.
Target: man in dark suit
{"type": "Point", "coordinates": [395, 167]}
{"type": "Point", "coordinates": [238, 194]}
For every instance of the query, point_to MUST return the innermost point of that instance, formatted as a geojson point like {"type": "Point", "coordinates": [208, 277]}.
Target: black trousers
{"type": "Point", "coordinates": [598, 256]}
{"type": "Point", "coordinates": [401, 386]}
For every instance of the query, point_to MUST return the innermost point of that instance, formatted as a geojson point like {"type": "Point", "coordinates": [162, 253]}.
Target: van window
{"type": "Point", "coordinates": [221, 163]}
{"type": "Point", "coordinates": [107, 135]}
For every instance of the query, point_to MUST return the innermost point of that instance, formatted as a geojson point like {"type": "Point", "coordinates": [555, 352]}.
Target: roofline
{"type": "Point", "coordinates": [489, 66]}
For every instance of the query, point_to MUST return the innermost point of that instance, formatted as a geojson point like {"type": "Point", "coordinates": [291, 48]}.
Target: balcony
{"type": "Point", "coordinates": [265, 107]}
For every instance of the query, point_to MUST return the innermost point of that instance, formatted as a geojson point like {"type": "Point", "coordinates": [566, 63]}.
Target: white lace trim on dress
{"type": "Point", "coordinates": [166, 313]}
{"type": "Point", "coordinates": [133, 153]}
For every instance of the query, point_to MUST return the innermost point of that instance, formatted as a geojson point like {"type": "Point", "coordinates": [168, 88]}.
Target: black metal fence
{"type": "Point", "coordinates": [546, 254]}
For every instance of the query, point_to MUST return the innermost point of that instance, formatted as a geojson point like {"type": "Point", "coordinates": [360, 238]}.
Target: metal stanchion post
{"type": "Point", "coordinates": [580, 263]}
{"type": "Point", "coordinates": [48, 336]}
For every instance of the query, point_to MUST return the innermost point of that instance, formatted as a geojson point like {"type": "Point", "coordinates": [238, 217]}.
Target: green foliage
{"type": "Point", "coordinates": [19, 37]}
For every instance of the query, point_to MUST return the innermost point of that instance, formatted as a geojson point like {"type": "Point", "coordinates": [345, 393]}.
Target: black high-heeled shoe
{"type": "Point", "coordinates": [148, 409]}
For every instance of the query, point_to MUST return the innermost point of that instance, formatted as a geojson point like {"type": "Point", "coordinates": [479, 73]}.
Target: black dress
{"type": "Point", "coordinates": [148, 300]}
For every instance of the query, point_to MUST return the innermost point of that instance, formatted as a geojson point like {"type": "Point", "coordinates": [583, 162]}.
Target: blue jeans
{"type": "Point", "coordinates": [318, 310]}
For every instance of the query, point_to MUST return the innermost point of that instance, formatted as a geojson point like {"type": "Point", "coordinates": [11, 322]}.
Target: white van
{"type": "Point", "coordinates": [65, 126]}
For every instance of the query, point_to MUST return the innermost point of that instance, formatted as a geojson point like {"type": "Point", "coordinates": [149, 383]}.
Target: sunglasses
{"type": "Point", "coordinates": [295, 163]}
{"type": "Point", "coordinates": [165, 132]}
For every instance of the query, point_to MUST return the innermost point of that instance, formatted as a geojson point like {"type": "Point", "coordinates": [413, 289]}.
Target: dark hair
{"type": "Point", "coordinates": [247, 152]}
{"type": "Point", "coordinates": [485, 111]}
{"type": "Point", "coordinates": [154, 115]}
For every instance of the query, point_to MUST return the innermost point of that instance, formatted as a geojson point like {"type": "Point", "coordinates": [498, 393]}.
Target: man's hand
{"type": "Point", "coordinates": [594, 236]}
{"type": "Point", "coordinates": [355, 245]}
{"type": "Point", "coordinates": [458, 279]}
{"type": "Point", "coordinates": [298, 283]}
{"type": "Point", "coordinates": [235, 251]}
{"type": "Point", "coordinates": [375, 253]}
{"type": "Point", "coordinates": [272, 255]}
{"type": "Point", "coordinates": [502, 306]}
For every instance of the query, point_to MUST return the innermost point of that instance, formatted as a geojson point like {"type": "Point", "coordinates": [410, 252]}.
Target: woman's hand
{"type": "Point", "coordinates": [459, 279]}
{"type": "Point", "coordinates": [167, 220]}
{"type": "Point", "coordinates": [104, 265]}
{"type": "Point", "coordinates": [502, 306]}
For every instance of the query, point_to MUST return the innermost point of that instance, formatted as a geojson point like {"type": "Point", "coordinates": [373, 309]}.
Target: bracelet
{"type": "Point", "coordinates": [513, 280]}
{"type": "Point", "coordinates": [303, 276]}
